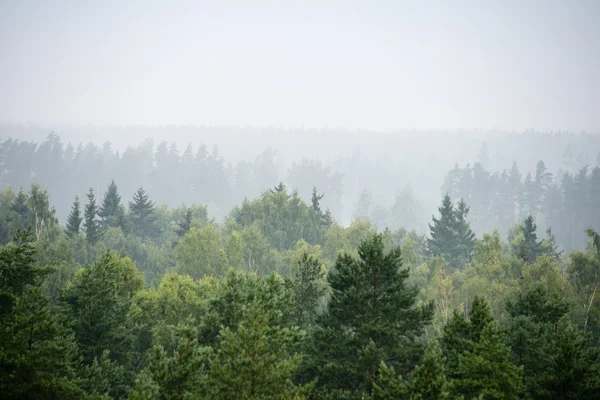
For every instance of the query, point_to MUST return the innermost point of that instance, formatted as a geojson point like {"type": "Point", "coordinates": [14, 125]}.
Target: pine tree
{"type": "Point", "coordinates": [307, 288]}
{"type": "Point", "coordinates": [97, 302]}
{"type": "Point", "coordinates": [255, 360]}
{"type": "Point", "coordinates": [141, 211]}
{"type": "Point", "coordinates": [429, 378]}
{"type": "Point", "coordinates": [19, 206]}
{"type": "Point", "coordinates": [465, 236]}
{"type": "Point", "coordinates": [390, 385]}
{"type": "Point", "coordinates": [37, 354]}
{"type": "Point", "coordinates": [371, 317]}
{"type": "Point", "coordinates": [530, 248]}
{"type": "Point", "coordinates": [534, 315]}
{"type": "Point", "coordinates": [74, 219]}
{"type": "Point", "coordinates": [443, 240]}
{"type": "Point", "coordinates": [186, 223]}
{"type": "Point", "coordinates": [91, 225]}
{"type": "Point", "coordinates": [487, 371]}
{"type": "Point", "coordinates": [315, 199]}
{"type": "Point", "coordinates": [109, 210]}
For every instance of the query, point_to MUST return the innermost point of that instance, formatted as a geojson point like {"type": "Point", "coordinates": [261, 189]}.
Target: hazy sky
{"type": "Point", "coordinates": [369, 64]}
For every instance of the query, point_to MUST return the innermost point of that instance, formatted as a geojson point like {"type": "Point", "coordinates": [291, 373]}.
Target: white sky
{"type": "Point", "coordinates": [370, 64]}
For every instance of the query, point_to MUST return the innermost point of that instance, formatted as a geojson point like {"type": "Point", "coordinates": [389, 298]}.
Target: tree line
{"type": "Point", "coordinates": [134, 300]}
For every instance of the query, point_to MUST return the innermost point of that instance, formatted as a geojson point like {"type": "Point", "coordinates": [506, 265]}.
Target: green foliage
{"type": "Point", "coordinates": [97, 303]}
{"type": "Point", "coordinates": [141, 213]}
{"type": "Point", "coordinates": [307, 286]}
{"type": "Point", "coordinates": [37, 354]}
{"type": "Point", "coordinates": [429, 378]}
{"type": "Point", "coordinates": [90, 223]}
{"type": "Point", "coordinates": [74, 219]}
{"type": "Point", "coordinates": [110, 210]}
{"type": "Point", "coordinates": [451, 236]}
{"type": "Point", "coordinates": [199, 253]}
{"type": "Point", "coordinates": [371, 317]}
{"type": "Point", "coordinates": [487, 371]}
{"type": "Point", "coordinates": [255, 360]}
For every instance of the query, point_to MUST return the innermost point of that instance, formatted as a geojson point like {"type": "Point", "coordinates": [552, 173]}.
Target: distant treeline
{"type": "Point", "coordinates": [565, 202]}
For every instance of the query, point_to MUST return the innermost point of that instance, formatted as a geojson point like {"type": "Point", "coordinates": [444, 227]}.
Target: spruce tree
{"type": "Point", "coordinates": [186, 222]}
{"type": "Point", "coordinates": [530, 248]}
{"type": "Point", "coordinates": [306, 284]}
{"type": "Point", "coordinates": [465, 236]}
{"type": "Point", "coordinates": [74, 219]}
{"type": "Point", "coordinates": [256, 361]}
{"type": "Point", "coordinates": [371, 317]}
{"type": "Point", "coordinates": [37, 354]}
{"type": "Point", "coordinates": [429, 379]}
{"type": "Point", "coordinates": [109, 210]}
{"type": "Point", "coordinates": [91, 225]}
{"type": "Point", "coordinates": [141, 211]}
{"type": "Point", "coordinates": [443, 240]}
{"type": "Point", "coordinates": [487, 372]}
{"type": "Point", "coordinates": [19, 206]}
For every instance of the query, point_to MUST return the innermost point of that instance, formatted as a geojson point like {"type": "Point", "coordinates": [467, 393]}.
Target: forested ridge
{"type": "Point", "coordinates": [140, 292]}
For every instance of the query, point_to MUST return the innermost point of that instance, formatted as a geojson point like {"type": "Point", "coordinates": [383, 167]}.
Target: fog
{"type": "Point", "coordinates": [380, 65]}
{"type": "Point", "coordinates": [381, 99]}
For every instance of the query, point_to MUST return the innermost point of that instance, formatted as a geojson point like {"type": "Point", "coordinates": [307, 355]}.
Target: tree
{"type": "Point", "coordinates": [308, 289]}
{"type": "Point", "coordinates": [429, 378]}
{"type": "Point", "coordinates": [199, 253]}
{"type": "Point", "coordinates": [530, 248]}
{"type": "Point", "coordinates": [96, 305]}
{"type": "Point", "coordinates": [186, 222]}
{"type": "Point", "coordinates": [109, 210]}
{"type": "Point", "coordinates": [41, 216]}
{"type": "Point", "coordinates": [255, 361]}
{"type": "Point", "coordinates": [91, 225]}
{"type": "Point", "coordinates": [531, 332]}
{"type": "Point", "coordinates": [21, 209]}
{"type": "Point", "coordinates": [74, 219]}
{"type": "Point", "coordinates": [465, 236]}
{"type": "Point", "coordinates": [487, 371]}
{"type": "Point", "coordinates": [141, 210]}
{"type": "Point", "coordinates": [37, 354]}
{"type": "Point", "coordinates": [443, 240]}
{"type": "Point", "coordinates": [371, 317]}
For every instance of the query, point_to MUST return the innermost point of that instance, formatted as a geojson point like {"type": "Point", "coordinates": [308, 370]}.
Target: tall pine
{"type": "Point", "coordinates": [141, 211]}
{"type": "Point", "coordinates": [91, 225]}
{"type": "Point", "coordinates": [74, 219]}
{"type": "Point", "coordinates": [109, 210]}
{"type": "Point", "coordinates": [372, 317]}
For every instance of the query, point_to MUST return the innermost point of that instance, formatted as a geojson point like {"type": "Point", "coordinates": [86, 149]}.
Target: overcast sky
{"type": "Point", "coordinates": [369, 64]}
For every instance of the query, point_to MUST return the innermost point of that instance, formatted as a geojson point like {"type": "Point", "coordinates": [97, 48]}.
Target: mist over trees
{"type": "Point", "coordinates": [159, 274]}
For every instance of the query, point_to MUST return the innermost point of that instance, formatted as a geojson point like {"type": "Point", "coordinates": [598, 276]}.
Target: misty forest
{"type": "Point", "coordinates": [168, 271]}
{"type": "Point", "coordinates": [299, 200]}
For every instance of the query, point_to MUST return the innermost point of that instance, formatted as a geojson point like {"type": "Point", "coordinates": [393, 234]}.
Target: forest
{"type": "Point", "coordinates": [151, 273]}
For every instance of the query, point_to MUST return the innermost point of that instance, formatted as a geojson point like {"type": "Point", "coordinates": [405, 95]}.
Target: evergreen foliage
{"type": "Point", "coordinates": [74, 220]}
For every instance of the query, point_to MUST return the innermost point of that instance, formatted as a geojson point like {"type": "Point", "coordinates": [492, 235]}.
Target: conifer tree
{"type": "Point", "coordinates": [390, 385]}
{"type": "Point", "coordinates": [74, 219]}
{"type": "Point", "coordinates": [37, 354]}
{"type": "Point", "coordinates": [307, 289]}
{"type": "Point", "coordinates": [487, 372]}
{"type": "Point", "coordinates": [91, 225]}
{"type": "Point", "coordinates": [530, 248]}
{"type": "Point", "coordinates": [186, 223]}
{"type": "Point", "coordinates": [465, 236]}
{"type": "Point", "coordinates": [371, 317]}
{"type": "Point", "coordinates": [141, 211]}
{"type": "Point", "coordinates": [256, 360]}
{"type": "Point", "coordinates": [443, 240]}
{"type": "Point", "coordinates": [19, 206]}
{"type": "Point", "coordinates": [109, 210]}
{"type": "Point", "coordinates": [429, 378]}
